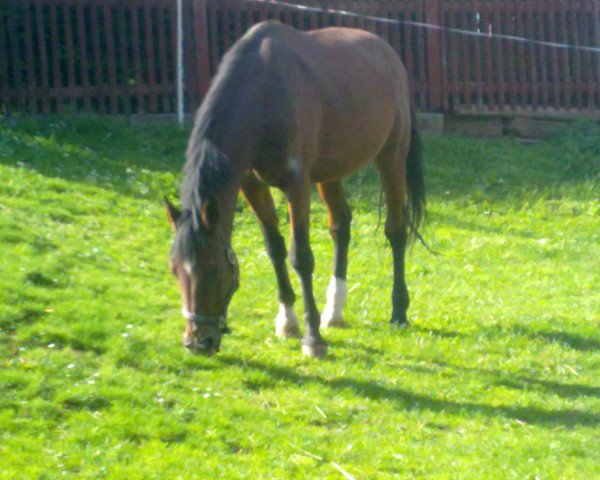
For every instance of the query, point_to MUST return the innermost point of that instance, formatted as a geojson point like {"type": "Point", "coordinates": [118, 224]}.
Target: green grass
{"type": "Point", "coordinates": [498, 377]}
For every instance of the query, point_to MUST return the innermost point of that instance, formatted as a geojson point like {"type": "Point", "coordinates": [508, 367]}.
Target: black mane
{"type": "Point", "coordinates": [208, 169]}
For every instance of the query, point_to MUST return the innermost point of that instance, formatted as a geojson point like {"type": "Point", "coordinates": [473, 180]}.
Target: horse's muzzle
{"type": "Point", "coordinates": [207, 345]}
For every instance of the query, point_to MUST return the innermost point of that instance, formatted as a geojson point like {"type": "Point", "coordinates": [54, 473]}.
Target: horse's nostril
{"type": "Point", "coordinates": [208, 343]}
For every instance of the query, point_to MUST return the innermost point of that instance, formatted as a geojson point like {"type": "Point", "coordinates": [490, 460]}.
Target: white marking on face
{"type": "Point", "coordinates": [337, 294]}
{"type": "Point", "coordinates": [187, 266]}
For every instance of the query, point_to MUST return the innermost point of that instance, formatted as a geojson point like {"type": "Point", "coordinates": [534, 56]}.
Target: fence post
{"type": "Point", "coordinates": [596, 40]}
{"type": "Point", "coordinates": [434, 55]}
{"type": "Point", "coordinates": [201, 47]}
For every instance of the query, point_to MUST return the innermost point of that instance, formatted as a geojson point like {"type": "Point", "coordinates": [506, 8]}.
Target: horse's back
{"type": "Point", "coordinates": [345, 91]}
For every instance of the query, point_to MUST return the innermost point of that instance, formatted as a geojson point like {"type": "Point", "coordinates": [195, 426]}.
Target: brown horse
{"type": "Point", "coordinates": [288, 109]}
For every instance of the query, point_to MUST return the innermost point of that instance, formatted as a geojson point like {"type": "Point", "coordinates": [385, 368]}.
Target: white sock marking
{"type": "Point", "coordinates": [286, 322]}
{"type": "Point", "coordinates": [337, 295]}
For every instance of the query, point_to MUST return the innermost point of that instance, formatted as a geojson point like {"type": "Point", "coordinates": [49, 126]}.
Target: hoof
{"type": "Point", "coordinates": [399, 320]}
{"type": "Point", "coordinates": [318, 350]}
{"type": "Point", "coordinates": [331, 321]}
{"type": "Point", "coordinates": [399, 326]}
{"type": "Point", "coordinates": [288, 332]}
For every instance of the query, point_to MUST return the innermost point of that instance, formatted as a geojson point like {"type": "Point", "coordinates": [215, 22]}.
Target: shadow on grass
{"type": "Point", "coordinates": [436, 332]}
{"type": "Point", "coordinates": [572, 390]}
{"type": "Point", "coordinates": [569, 340]}
{"type": "Point", "coordinates": [102, 152]}
{"type": "Point", "coordinates": [573, 341]}
{"type": "Point", "coordinates": [456, 167]}
{"type": "Point", "coordinates": [377, 390]}
{"type": "Point", "coordinates": [522, 382]}
{"type": "Point", "coordinates": [482, 226]}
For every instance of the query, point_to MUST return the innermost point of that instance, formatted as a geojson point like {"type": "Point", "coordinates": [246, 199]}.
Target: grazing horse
{"type": "Point", "coordinates": [288, 109]}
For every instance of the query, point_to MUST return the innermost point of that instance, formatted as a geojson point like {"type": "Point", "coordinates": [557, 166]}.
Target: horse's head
{"type": "Point", "coordinates": [207, 272]}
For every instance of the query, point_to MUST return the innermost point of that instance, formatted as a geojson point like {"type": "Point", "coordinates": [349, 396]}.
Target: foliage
{"type": "Point", "coordinates": [498, 376]}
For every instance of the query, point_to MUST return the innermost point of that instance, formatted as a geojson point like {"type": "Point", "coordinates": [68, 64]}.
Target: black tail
{"type": "Point", "coordinates": [416, 184]}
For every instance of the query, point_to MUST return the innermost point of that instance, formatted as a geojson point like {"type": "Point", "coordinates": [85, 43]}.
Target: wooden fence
{"type": "Point", "coordinates": [118, 56]}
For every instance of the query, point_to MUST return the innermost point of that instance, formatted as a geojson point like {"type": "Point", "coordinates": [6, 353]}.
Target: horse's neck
{"type": "Point", "coordinates": [227, 199]}
{"type": "Point", "coordinates": [233, 119]}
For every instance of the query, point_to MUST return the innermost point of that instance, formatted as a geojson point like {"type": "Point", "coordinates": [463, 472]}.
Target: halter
{"type": "Point", "coordinates": [219, 321]}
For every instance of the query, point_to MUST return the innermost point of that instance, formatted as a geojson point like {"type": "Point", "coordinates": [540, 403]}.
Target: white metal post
{"type": "Point", "coordinates": [180, 71]}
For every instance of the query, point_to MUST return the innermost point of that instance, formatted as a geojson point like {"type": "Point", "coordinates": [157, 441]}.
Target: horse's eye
{"type": "Point", "coordinates": [211, 267]}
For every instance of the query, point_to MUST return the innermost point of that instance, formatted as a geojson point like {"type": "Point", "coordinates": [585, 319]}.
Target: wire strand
{"type": "Point", "coordinates": [431, 26]}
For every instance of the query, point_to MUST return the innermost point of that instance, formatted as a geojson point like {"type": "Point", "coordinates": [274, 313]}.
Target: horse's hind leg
{"type": "Point", "coordinates": [340, 218]}
{"type": "Point", "coordinates": [260, 199]}
{"type": "Point", "coordinates": [392, 169]}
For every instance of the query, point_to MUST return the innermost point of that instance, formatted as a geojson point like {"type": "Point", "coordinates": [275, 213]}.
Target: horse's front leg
{"type": "Point", "coordinates": [340, 218]}
{"type": "Point", "coordinates": [302, 259]}
{"type": "Point", "coordinates": [260, 199]}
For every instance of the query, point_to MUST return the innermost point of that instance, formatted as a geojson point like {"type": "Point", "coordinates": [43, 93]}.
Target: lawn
{"type": "Point", "coordinates": [498, 376]}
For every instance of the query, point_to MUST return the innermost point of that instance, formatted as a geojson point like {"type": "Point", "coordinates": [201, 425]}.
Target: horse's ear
{"type": "Point", "coordinates": [173, 213]}
{"type": "Point", "coordinates": [210, 214]}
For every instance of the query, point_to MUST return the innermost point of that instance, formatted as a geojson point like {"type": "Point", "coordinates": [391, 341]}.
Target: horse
{"type": "Point", "coordinates": [288, 109]}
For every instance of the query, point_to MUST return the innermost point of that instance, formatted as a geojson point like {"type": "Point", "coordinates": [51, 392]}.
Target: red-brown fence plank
{"type": "Point", "coordinates": [16, 59]}
{"type": "Point", "coordinates": [499, 67]}
{"type": "Point", "coordinates": [596, 43]}
{"type": "Point", "coordinates": [434, 68]}
{"type": "Point", "coordinates": [369, 12]}
{"type": "Point", "coordinates": [163, 78]}
{"type": "Point", "coordinates": [82, 42]}
{"type": "Point", "coordinates": [490, 80]}
{"type": "Point", "coordinates": [262, 11]}
{"type": "Point", "coordinates": [124, 55]}
{"type": "Point", "coordinates": [477, 49]}
{"type": "Point", "coordinates": [406, 30]}
{"type": "Point", "coordinates": [507, 49]}
{"type": "Point", "coordinates": [237, 19]}
{"type": "Point", "coordinates": [214, 43]}
{"type": "Point", "coordinates": [191, 94]}
{"type": "Point", "coordinates": [70, 53]}
{"type": "Point", "coordinates": [32, 93]}
{"type": "Point", "coordinates": [110, 57]}
{"type": "Point", "coordinates": [4, 76]}
{"type": "Point", "coordinates": [201, 46]}
{"type": "Point", "coordinates": [540, 34]}
{"type": "Point", "coordinates": [98, 77]}
{"type": "Point", "coordinates": [226, 6]}
{"type": "Point", "coordinates": [519, 64]}
{"type": "Point", "coordinates": [588, 57]}
{"type": "Point", "coordinates": [137, 57]}
{"type": "Point", "coordinates": [421, 57]}
{"type": "Point", "coordinates": [467, 65]}
{"type": "Point", "coordinates": [552, 28]}
{"type": "Point", "coordinates": [150, 62]}
{"type": "Point", "coordinates": [452, 43]}
{"type": "Point", "coordinates": [393, 29]}
{"type": "Point", "coordinates": [312, 16]}
{"type": "Point", "coordinates": [572, 14]}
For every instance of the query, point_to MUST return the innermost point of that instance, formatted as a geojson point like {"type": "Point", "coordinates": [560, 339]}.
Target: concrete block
{"type": "Point", "coordinates": [432, 123]}
{"type": "Point", "coordinates": [475, 126]}
{"type": "Point", "coordinates": [529, 127]}
{"type": "Point", "coordinates": [145, 119]}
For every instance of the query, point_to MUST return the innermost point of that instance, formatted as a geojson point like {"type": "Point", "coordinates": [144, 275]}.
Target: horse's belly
{"type": "Point", "coordinates": [351, 144]}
